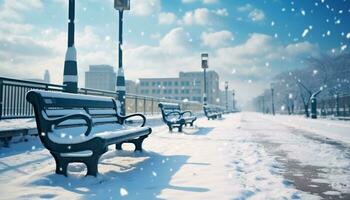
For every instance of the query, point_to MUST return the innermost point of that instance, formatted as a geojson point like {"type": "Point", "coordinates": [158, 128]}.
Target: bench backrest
{"type": "Point", "coordinates": [167, 108]}
{"type": "Point", "coordinates": [58, 104]}
{"type": "Point", "coordinates": [211, 109]}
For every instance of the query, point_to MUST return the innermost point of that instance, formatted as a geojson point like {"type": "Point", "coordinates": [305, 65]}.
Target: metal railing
{"type": "Point", "coordinates": [143, 104]}
{"type": "Point", "coordinates": [14, 105]}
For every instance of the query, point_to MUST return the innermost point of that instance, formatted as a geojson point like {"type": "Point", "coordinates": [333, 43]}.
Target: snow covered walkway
{"type": "Point", "coordinates": [244, 155]}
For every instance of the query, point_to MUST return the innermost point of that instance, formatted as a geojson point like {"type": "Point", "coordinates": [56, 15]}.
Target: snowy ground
{"type": "Point", "coordinates": [244, 155]}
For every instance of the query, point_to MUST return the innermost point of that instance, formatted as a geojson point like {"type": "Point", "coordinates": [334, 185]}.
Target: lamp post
{"type": "Point", "coordinates": [233, 100]}
{"type": "Point", "coordinates": [226, 88]}
{"type": "Point", "coordinates": [70, 72]}
{"type": "Point", "coordinates": [272, 99]}
{"type": "Point", "coordinates": [121, 5]}
{"type": "Point", "coordinates": [204, 58]}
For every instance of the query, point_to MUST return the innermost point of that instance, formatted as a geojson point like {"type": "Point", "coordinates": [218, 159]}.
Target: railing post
{"type": "Point", "coordinates": [152, 101]}
{"type": "Point", "coordinates": [1, 97]}
{"type": "Point", "coordinates": [144, 105]}
{"type": "Point", "coordinates": [135, 104]}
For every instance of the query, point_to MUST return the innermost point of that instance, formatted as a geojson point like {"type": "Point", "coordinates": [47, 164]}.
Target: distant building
{"type": "Point", "coordinates": [47, 76]}
{"type": "Point", "coordinates": [45, 80]}
{"type": "Point", "coordinates": [197, 78]}
{"type": "Point", "coordinates": [189, 85]}
{"type": "Point", "coordinates": [131, 87]}
{"type": "Point", "coordinates": [100, 77]}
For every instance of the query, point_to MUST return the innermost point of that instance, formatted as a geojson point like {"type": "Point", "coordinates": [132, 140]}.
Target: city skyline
{"type": "Point", "coordinates": [248, 42]}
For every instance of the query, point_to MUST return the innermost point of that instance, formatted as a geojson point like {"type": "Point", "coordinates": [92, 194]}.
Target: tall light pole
{"type": "Point", "coordinates": [272, 99]}
{"type": "Point", "coordinates": [70, 72]}
{"type": "Point", "coordinates": [226, 88]}
{"type": "Point", "coordinates": [121, 5]}
{"type": "Point", "coordinates": [205, 57]}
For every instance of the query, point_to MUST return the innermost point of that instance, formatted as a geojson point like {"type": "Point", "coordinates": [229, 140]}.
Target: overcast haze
{"type": "Point", "coordinates": [248, 41]}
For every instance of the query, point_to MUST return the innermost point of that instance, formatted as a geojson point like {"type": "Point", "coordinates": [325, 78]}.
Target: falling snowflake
{"type": "Point", "coordinates": [306, 31]}
{"type": "Point", "coordinates": [348, 35]}
{"type": "Point", "coordinates": [303, 12]}
{"type": "Point", "coordinates": [154, 173]}
{"type": "Point", "coordinates": [123, 192]}
{"type": "Point", "coordinates": [342, 48]}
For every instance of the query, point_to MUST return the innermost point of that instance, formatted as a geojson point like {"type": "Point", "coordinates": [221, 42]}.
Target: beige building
{"type": "Point", "coordinates": [189, 85]}
{"type": "Point", "coordinates": [100, 77]}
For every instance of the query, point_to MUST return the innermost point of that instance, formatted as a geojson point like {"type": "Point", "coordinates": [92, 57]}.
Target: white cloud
{"type": "Point", "coordinates": [12, 10]}
{"type": "Point", "coordinates": [188, 1]}
{"type": "Point", "coordinates": [176, 41]}
{"type": "Point", "coordinates": [210, 1]}
{"type": "Point", "coordinates": [256, 15]}
{"type": "Point", "coordinates": [217, 39]}
{"type": "Point", "coordinates": [247, 7]}
{"type": "Point", "coordinates": [166, 18]}
{"type": "Point", "coordinates": [221, 12]}
{"type": "Point", "coordinates": [203, 1]}
{"type": "Point", "coordinates": [301, 48]}
{"type": "Point", "coordinates": [202, 16]}
{"type": "Point", "coordinates": [145, 7]}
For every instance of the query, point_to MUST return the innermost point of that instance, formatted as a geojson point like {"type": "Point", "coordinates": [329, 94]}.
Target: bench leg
{"type": "Point", "coordinates": [138, 143]}
{"type": "Point", "coordinates": [180, 128]}
{"type": "Point", "coordinates": [92, 165]}
{"type": "Point", "coordinates": [61, 165]}
{"type": "Point", "coordinates": [170, 129]}
{"type": "Point", "coordinates": [191, 124]}
{"type": "Point", "coordinates": [118, 146]}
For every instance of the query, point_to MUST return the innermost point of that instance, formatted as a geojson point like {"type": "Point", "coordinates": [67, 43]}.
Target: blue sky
{"type": "Point", "coordinates": [248, 41]}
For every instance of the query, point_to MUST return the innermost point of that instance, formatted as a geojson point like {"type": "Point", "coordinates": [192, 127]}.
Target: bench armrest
{"type": "Point", "coordinates": [174, 113]}
{"type": "Point", "coordinates": [58, 120]}
{"type": "Point", "coordinates": [123, 118]}
{"type": "Point", "coordinates": [187, 111]}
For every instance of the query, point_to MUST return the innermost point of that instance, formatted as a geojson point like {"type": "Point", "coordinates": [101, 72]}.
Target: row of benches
{"type": "Point", "coordinates": [79, 128]}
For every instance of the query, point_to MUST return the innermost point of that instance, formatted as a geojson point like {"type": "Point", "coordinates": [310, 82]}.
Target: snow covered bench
{"type": "Point", "coordinates": [79, 128]}
{"type": "Point", "coordinates": [212, 112]}
{"type": "Point", "coordinates": [174, 117]}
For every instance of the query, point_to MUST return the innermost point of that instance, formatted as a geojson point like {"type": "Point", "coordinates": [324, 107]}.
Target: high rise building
{"type": "Point", "coordinates": [189, 85]}
{"type": "Point", "coordinates": [47, 76]}
{"type": "Point", "coordinates": [100, 77]}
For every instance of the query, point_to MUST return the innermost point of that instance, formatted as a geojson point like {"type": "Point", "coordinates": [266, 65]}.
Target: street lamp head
{"type": "Point", "coordinates": [204, 57]}
{"type": "Point", "coordinates": [122, 4]}
{"type": "Point", "coordinates": [272, 85]}
{"type": "Point", "coordinates": [233, 92]}
{"type": "Point", "coordinates": [226, 85]}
